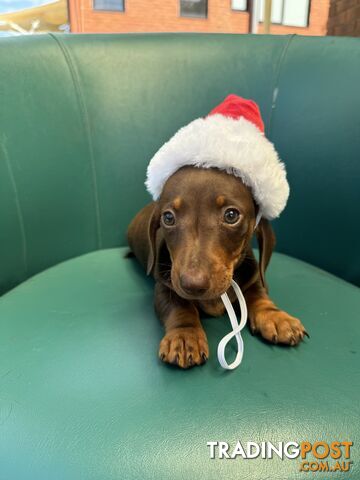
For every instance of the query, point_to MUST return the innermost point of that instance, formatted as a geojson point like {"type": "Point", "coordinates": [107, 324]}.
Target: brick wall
{"type": "Point", "coordinates": [344, 18]}
{"type": "Point", "coordinates": [156, 16]}
{"type": "Point", "coordinates": [164, 16]}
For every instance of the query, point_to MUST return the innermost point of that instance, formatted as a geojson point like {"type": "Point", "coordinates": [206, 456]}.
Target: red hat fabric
{"type": "Point", "coordinates": [235, 107]}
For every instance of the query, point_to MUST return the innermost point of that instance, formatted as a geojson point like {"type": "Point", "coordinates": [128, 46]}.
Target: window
{"type": "Point", "coordinates": [239, 5]}
{"type": "Point", "coordinates": [109, 5]}
{"type": "Point", "coordinates": [293, 13]}
{"type": "Point", "coordinates": [296, 13]}
{"type": "Point", "coordinates": [193, 8]}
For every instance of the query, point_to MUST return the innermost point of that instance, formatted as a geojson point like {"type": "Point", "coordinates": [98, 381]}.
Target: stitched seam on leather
{"type": "Point", "coordinates": [17, 203]}
{"type": "Point", "coordinates": [82, 106]}
{"type": "Point", "coordinates": [276, 83]}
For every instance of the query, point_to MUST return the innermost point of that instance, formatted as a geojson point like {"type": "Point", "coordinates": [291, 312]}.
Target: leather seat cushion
{"type": "Point", "coordinates": [83, 394]}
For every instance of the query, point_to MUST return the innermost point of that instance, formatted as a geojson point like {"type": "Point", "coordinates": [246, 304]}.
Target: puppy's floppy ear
{"type": "Point", "coordinates": [141, 235]}
{"type": "Point", "coordinates": [152, 228]}
{"type": "Point", "coordinates": [266, 241]}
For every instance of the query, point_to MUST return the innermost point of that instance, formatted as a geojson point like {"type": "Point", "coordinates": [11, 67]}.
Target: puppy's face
{"type": "Point", "coordinates": [207, 218]}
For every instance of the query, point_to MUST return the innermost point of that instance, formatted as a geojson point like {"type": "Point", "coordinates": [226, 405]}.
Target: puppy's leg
{"type": "Point", "coordinates": [185, 343]}
{"type": "Point", "coordinates": [269, 321]}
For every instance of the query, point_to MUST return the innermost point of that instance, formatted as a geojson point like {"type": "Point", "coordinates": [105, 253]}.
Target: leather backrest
{"type": "Point", "coordinates": [81, 115]}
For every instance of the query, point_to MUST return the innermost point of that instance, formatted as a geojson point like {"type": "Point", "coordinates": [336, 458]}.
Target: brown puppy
{"type": "Point", "coordinates": [194, 240]}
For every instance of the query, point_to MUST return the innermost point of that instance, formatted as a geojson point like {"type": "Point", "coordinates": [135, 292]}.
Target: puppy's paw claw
{"type": "Point", "coordinates": [277, 326]}
{"type": "Point", "coordinates": [204, 357]}
{"type": "Point", "coordinates": [185, 347]}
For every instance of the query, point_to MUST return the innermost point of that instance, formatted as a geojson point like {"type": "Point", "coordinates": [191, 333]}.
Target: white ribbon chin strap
{"type": "Point", "coordinates": [257, 219]}
{"type": "Point", "coordinates": [236, 327]}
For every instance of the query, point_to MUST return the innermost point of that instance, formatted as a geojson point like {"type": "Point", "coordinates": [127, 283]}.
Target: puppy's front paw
{"type": "Point", "coordinates": [277, 326]}
{"type": "Point", "coordinates": [184, 347]}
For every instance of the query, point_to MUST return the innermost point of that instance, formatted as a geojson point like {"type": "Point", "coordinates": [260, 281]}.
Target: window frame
{"type": "Point", "coordinates": [287, 25]}
{"type": "Point", "coordinates": [100, 10]}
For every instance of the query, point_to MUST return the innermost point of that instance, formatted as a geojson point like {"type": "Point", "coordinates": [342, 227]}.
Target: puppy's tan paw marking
{"type": "Point", "coordinates": [277, 326]}
{"type": "Point", "coordinates": [184, 347]}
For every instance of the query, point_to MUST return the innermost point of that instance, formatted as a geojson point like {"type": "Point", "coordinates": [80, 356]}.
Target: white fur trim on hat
{"type": "Point", "coordinates": [234, 145]}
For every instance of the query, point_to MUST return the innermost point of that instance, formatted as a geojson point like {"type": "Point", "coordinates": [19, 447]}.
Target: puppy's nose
{"type": "Point", "coordinates": [194, 283]}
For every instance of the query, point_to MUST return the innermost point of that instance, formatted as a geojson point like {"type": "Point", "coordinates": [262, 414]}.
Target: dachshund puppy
{"type": "Point", "coordinates": [194, 240]}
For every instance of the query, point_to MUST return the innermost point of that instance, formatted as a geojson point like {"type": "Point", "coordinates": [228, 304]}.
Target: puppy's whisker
{"type": "Point", "coordinates": [165, 271]}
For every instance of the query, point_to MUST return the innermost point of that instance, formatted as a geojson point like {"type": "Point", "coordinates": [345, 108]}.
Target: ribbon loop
{"type": "Point", "coordinates": [236, 328]}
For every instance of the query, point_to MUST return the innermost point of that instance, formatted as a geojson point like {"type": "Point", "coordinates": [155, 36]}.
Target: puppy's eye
{"type": "Point", "coordinates": [168, 218]}
{"type": "Point", "coordinates": [231, 216]}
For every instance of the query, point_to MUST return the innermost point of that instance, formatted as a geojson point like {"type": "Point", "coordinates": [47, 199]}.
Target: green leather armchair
{"type": "Point", "coordinates": [82, 393]}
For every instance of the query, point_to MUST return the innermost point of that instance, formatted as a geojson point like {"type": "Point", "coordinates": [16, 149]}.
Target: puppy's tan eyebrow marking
{"type": "Point", "coordinates": [220, 201]}
{"type": "Point", "coordinates": [177, 203]}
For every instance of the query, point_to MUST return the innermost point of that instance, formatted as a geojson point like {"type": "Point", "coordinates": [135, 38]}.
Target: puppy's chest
{"type": "Point", "coordinates": [215, 308]}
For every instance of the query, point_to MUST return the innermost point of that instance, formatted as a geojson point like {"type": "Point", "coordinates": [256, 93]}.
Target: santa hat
{"type": "Point", "coordinates": [230, 138]}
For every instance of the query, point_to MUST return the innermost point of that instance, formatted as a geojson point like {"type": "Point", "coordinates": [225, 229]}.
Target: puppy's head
{"type": "Point", "coordinates": [207, 219]}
